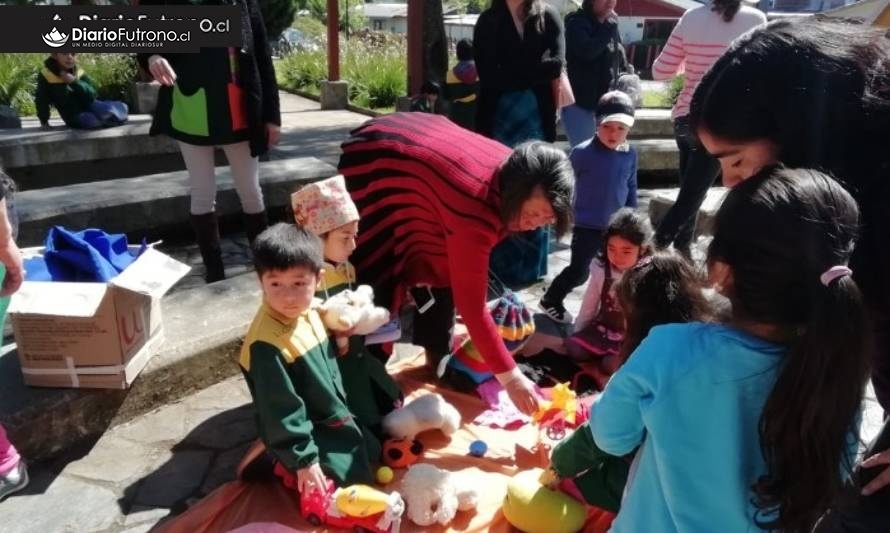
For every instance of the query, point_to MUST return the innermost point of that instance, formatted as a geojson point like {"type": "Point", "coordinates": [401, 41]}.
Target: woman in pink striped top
{"type": "Point", "coordinates": [698, 40]}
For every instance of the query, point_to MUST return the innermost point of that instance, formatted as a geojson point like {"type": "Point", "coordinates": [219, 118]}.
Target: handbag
{"type": "Point", "coordinates": [563, 96]}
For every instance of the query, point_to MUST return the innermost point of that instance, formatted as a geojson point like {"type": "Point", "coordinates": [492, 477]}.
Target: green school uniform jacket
{"type": "Point", "coordinates": [302, 416]}
{"type": "Point", "coordinates": [371, 393]}
{"type": "Point", "coordinates": [70, 99]}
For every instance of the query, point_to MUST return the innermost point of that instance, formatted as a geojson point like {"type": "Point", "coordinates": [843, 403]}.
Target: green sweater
{"type": "Point", "coordinates": [70, 99]}
{"type": "Point", "coordinates": [302, 416]}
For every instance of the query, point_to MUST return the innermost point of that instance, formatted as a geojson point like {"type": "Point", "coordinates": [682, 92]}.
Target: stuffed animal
{"type": "Point", "coordinates": [353, 310]}
{"type": "Point", "coordinates": [434, 496]}
{"type": "Point", "coordinates": [429, 411]}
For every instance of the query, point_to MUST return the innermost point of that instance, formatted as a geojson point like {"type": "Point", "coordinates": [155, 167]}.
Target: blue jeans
{"type": "Point", "coordinates": [698, 172]}
{"type": "Point", "coordinates": [102, 114]}
{"type": "Point", "coordinates": [579, 123]}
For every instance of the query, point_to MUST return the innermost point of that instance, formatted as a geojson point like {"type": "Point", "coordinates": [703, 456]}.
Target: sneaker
{"type": "Point", "coordinates": [14, 481]}
{"type": "Point", "coordinates": [556, 311]}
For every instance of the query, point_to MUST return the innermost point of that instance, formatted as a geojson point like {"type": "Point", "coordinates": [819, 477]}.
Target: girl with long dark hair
{"type": "Point", "coordinates": [750, 424]}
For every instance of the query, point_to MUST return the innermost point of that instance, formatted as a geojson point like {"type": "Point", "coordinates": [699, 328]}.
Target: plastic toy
{"type": "Point", "coordinates": [434, 495]}
{"type": "Point", "coordinates": [424, 413]}
{"type": "Point", "coordinates": [478, 448]}
{"type": "Point", "coordinates": [356, 506]}
{"type": "Point", "coordinates": [384, 475]}
{"type": "Point", "coordinates": [535, 508]}
{"type": "Point", "coordinates": [401, 453]}
{"type": "Point", "coordinates": [562, 411]}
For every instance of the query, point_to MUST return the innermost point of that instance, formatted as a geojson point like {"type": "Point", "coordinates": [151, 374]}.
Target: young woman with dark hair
{"type": "Point", "coordinates": [434, 200]}
{"type": "Point", "coordinates": [698, 40]}
{"type": "Point", "coordinates": [752, 423]}
{"type": "Point", "coordinates": [815, 93]}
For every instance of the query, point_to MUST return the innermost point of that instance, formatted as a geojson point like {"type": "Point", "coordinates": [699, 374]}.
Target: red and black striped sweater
{"type": "Point", "coordinates": [427, 193]}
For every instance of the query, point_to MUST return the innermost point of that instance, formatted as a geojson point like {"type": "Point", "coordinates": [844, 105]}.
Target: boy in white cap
{"type": "Point", "coordinates": [605, 181]}
{"type": "Point", "coordinates": [326, 209]}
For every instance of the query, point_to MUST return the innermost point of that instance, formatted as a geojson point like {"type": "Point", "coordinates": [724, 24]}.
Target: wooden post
{"type": "Point", "coordinates": [415, 46]}
{"type": "Point", "coordinates": [333, 40]}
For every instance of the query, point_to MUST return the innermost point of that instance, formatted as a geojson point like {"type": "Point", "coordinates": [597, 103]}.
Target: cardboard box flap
{"type": "Point", "coordinates": [153, 273]}
{"type": "Point", "coordinates": [58, 298]}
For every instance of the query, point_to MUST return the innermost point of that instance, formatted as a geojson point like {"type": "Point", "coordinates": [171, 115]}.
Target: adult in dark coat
{"type": "Point", "coordinates": [225, 97]}
{"type": "Point", "coordinates": [519, 45]}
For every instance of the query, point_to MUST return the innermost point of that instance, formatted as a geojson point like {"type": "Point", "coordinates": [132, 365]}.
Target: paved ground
{"type": "Point", "coordinates": [156, 465]}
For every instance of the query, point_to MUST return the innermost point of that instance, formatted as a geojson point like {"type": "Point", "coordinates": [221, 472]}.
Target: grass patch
{"type": "Point", "coordinates": [374, 66]}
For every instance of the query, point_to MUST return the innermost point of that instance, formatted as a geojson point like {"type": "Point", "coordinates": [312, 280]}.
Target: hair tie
{"type": "Point", "coordinates": [834, 273]}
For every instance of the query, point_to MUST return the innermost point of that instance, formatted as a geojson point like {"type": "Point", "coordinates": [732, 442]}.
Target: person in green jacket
{"type": "Point", "coordinates": [63, 85]}
{"type": "Point", "coordinates": [325, 209]}
{"type": "Point", "coordinates": [462, 87]}
{"type": "Point", "coordinates": [291, 369]}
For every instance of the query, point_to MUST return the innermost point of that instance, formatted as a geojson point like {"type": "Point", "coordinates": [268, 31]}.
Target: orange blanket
{"type": "Point", "coordinates": [236, 504]}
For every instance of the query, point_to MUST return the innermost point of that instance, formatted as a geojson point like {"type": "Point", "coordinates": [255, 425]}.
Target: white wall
{"type": "Point", "coordinates": [392, 25]}
{"type": "Point", "coordinates": [630, 29]}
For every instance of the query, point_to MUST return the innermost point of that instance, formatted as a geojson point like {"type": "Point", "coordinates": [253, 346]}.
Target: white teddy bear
{"type": "Point", "coordinates": [426, 412]}
{"type": "Point", "coordinates": [353, 310]}
{"type": "Point", "coordinates": [434, 496]}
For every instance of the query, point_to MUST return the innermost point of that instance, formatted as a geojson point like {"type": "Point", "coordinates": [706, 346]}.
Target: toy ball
{"type": "Point", "coordinates": [401, 453]}
{"type": "Point", "coordinates": [478, 448]}
{"type": "Point", "coordinates": [384, 475]}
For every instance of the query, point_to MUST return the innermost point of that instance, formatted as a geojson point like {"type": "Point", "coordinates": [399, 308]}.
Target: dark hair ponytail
{"type": "Point", "coordinates": [726, 8]}
{"type": "Point", "coordinates": [778, 232]}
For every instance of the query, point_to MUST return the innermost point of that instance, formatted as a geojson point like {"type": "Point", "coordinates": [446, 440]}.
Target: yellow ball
{"type": "Point", "coordinates": [384, 475]}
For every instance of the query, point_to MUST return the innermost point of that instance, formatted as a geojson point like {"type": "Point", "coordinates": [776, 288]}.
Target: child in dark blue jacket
{"type": "Point", "coordinates": [605, 181]}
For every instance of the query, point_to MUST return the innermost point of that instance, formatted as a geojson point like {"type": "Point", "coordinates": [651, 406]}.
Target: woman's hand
{"type": "Point", "coordinates": [311, 478]}
{"type": "Point", "coordinates": [274, 132]}
{"type": "Point", "coordinates": [161, 70]}
{"type": "Point", "coordinates": [522, 392]}
{"type": "Point", "coordinates": [883, 479]}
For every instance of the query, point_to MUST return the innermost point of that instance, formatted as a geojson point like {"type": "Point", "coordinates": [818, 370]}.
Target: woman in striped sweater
{"type": "Point", "coordinates": [698, 40]}
{"type": "Point", "coordinates": [434, 199]}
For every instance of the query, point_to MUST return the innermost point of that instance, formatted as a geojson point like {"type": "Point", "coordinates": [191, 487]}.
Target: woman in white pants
{"type": "Point", "coordinates": [225, 97]}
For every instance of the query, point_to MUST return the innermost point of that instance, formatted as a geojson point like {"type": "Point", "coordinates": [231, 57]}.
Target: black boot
{"type": "Point", "coordinates": [207, 234]}
{"type": "Point", "coordinates": [254, 224]}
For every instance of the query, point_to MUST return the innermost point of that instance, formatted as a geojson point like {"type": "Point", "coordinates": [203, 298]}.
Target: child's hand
{"type": "Point", "coordinates": [274, 132]}
{"type": "Point", "coordinates": [161, 70]}
{"type": "Point", "coordinates": [549, 479]}
{"type": "Point", "coordinates": [311, 478]}
{"type": "Point", "coordinates": [68, 77]}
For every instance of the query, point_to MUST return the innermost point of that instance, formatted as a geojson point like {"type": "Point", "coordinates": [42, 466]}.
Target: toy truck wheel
{"type": "Point", "coordinates": [314, 519]}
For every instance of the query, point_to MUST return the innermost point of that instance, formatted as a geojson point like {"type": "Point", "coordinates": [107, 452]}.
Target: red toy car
{"type": "Point", "coordinates": [358, 506]}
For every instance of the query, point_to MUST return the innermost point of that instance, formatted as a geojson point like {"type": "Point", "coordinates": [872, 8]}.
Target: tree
{"type": "Point", "coordinates": [355, 21]}
{"type": "Point", "coordinates": [278, 15]}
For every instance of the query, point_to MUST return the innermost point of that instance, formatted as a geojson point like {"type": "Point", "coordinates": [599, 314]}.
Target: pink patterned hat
{"type": "Point", "coordinates": [323, 206]}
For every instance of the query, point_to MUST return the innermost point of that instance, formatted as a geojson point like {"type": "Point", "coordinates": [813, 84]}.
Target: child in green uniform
{"type": "Point", "coordinates": [291, 369]}
{"type": "Point", "coordinates": [325, 209]}
{"type": "Point", "coordinates": [64, 85]}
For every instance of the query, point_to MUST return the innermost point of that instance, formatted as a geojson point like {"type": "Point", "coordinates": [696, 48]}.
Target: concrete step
{"type": "Point", "coordinates": [138, 205]}
{"type": "Point", "coordinates": [203, 330]}
{"type": "Point", "coordinates": [659, 159]}
{"type": "Point", "coordinates": [649, 124]}
{"type": "Point", "coordinates": [661, 201]}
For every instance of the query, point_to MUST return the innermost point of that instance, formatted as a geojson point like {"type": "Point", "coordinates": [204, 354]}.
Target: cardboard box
{"type": "Point", "coordinates": [93, 335]}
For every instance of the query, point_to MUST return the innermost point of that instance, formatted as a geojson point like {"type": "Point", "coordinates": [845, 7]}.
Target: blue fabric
{"type": "Point", "coordinates": [90, 256]}
{"type": "Point", "coordinates": [477, 377]}
{"type": "Point", "coordinates": [103, 113]}
{"type": "Point", "coordinates": [521, 258]}
{"type": "Point", "coordinates": [578, 123]}
{"type": "Point", "coordinates": [692, 395]}
{"type": "Point", "coordinates": [605, 181]}
{"type": "Point", "coordinates": [517, 119]}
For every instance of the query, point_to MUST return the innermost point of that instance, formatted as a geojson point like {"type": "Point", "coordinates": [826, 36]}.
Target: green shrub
{"type": "Point", "coordinates": [310, 27]}
{"type": "Point", "coordinates": [674, 88]}
{"type": "Point", "coordinates": [113, 74]}
{"type": "Point", "coordinates": [18, 79]}
{"type": "Point", "coordinates": [374, 66]}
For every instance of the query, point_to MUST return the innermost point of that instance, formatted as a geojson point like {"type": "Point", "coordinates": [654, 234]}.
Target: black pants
{"type": "Point", "coordinates": [586, 243]}
{"type": "Point", "coordinates": [434, 328]}
{"type": "Point", "coordinates": [698, 172]}
{"type": "Point", "coordinates": [853, 513]}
